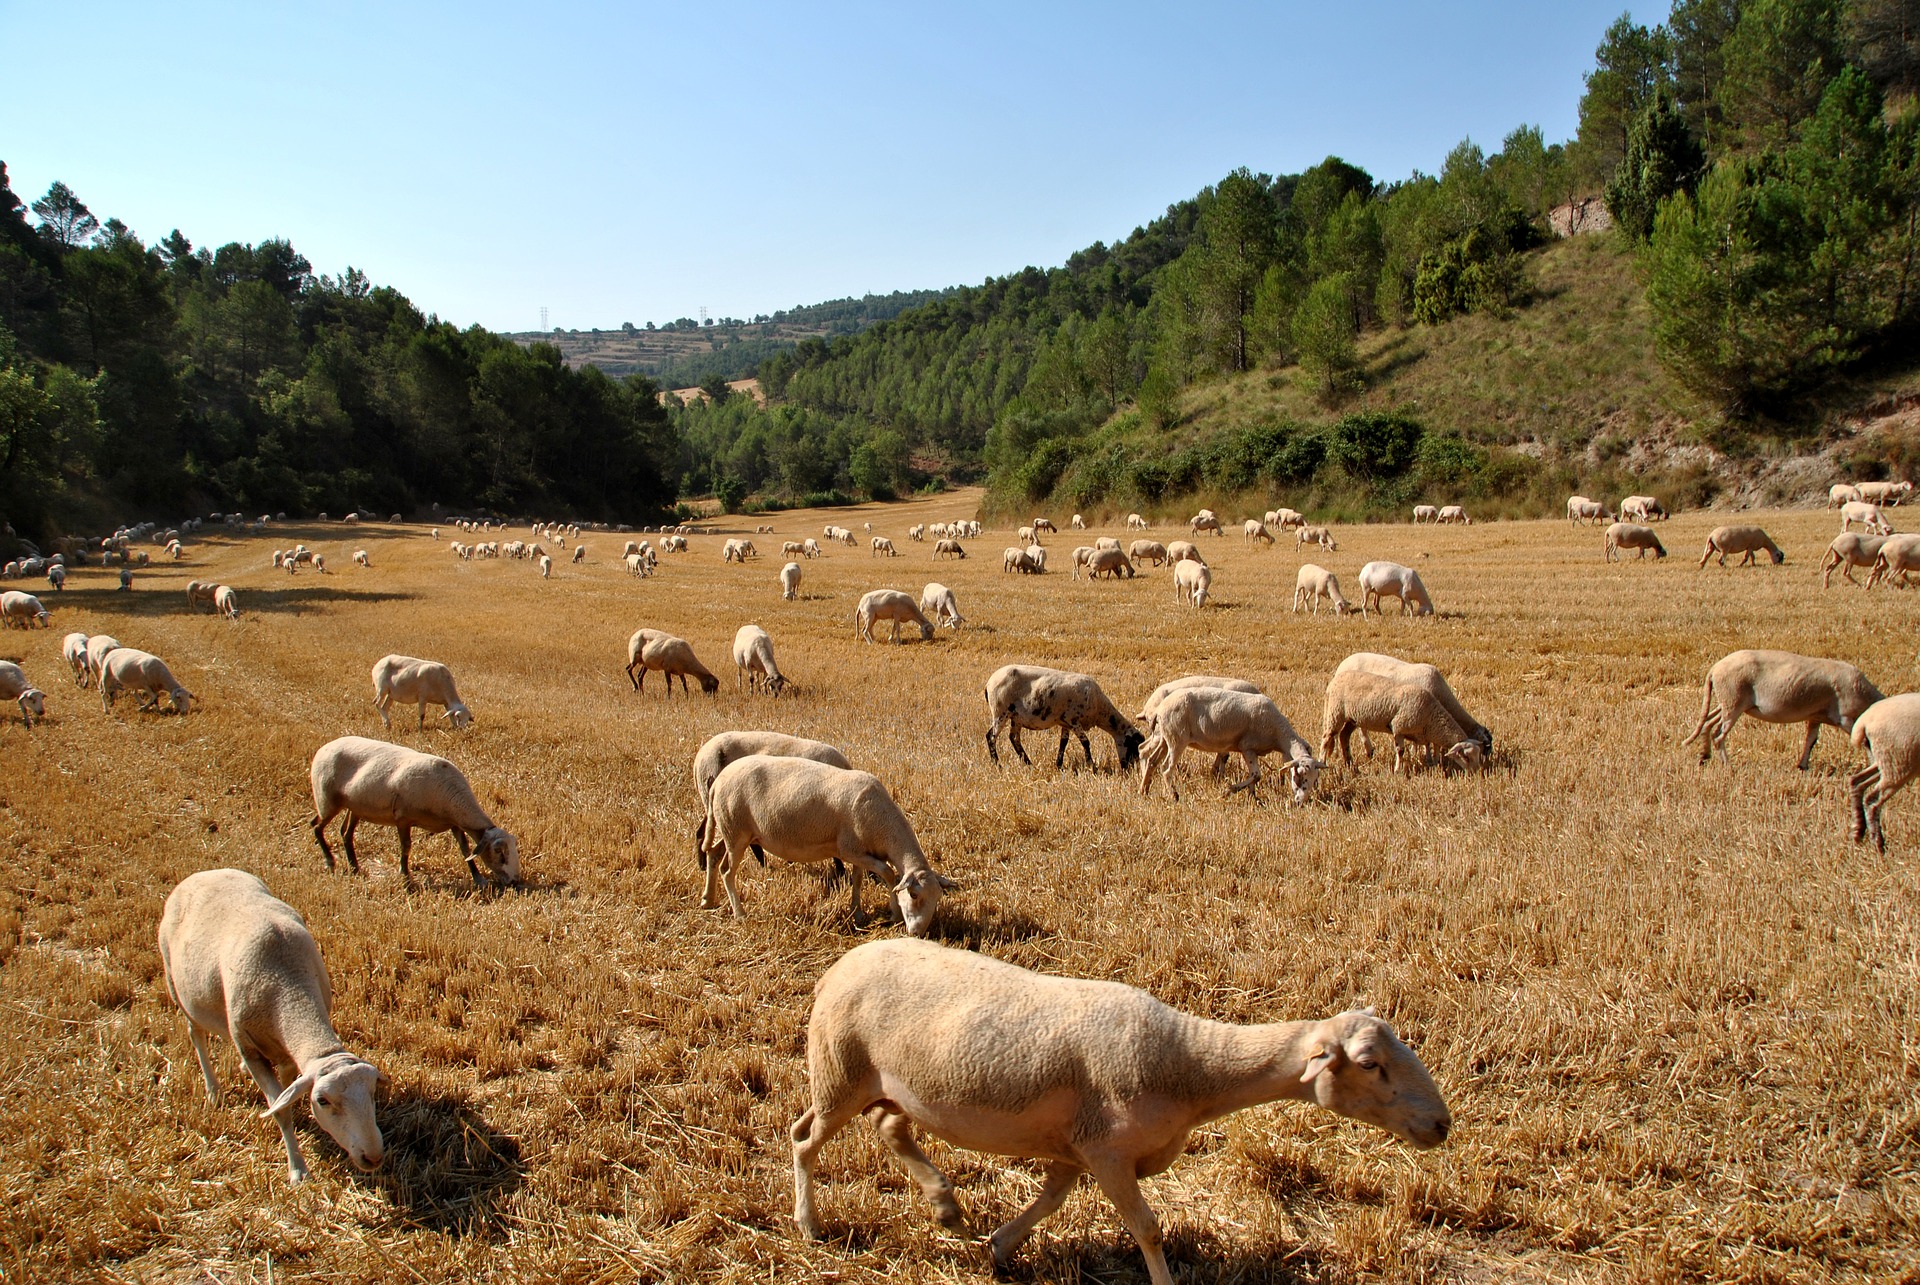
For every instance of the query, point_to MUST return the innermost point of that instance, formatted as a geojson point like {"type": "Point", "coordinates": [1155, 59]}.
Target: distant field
{"type": "Point", "coordinates": [1674, 1011]}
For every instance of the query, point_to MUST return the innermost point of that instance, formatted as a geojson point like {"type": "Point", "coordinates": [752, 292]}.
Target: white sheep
{"type": "Point", "coordinates": [948, 548]}
{"type": "Point", "coordinates": [653, 650]}
{"type": "Point", "coordinates": [1314, 582]}
{"type": "Point", "coordinates": [1581, 509]}
{"type": "Point", "coordinates": [22, 610]}
{"type": "Point", "coordinates": [1255, 529]}
{"type": "Point", "coordinates": [726, 747]}
{"type": "Point", "coordinates": [1779, 687]}
{"type": "Point", "coordinates": [1631, 535]}
{"type": "Point", "coordinates": [1034, 698]}
{"type": "Point", "coordinates": [73, 650]}
{"type": "Point", "coordinates": [1204, 520]}
{"type": "Point", "coordinates": [753, 661]}
{"type": "Point", "coordinates": [125, 669]}
{"type": "Point", "coordinates": [1105, 542]}
{"type": "Point", "coordinates": [1410, 713]}
{"type": "Point", "coordinates": [15, 687]}
{"type": "Point", "coordinates": [545, 564]}
{"type": "Point", "coordinates": [1172, 685]}
{"type": "Point", "coordinates": [1184, 551]}
{"type": "Point", "coordinates": [1848, 551]}
{"type": "Point", "coordinates": [1025, 535]}
{"type": "Point", "coordinates": [1084, 1076]}
{"type": "Point", "coordinates": [1045, 524]}
{"type": "Point", "coordinates": [1841, 493]}
{"type": "Point", "coordinates": [806, 811]}
{"type": "Point", "coordinates": [226, 603]}
{"type": "Point", "coordinates": [1889, 731]}
{"type": "Point", "coordinates": [1898, 555]}
{"type": "Point", "coordinates": [238, 959]}
{"type": "Point", "coordinates": [1391, 580]}
{"type": "Point", "coordinates": [1320, 535]}
{"type": "Point", "coordinates": [1416, 675]}
{"type": "Point", "coordinates": [881, 544]}
{"type": "Point", "coordinates": [1867, 515]}
{"type": "Point", "coordinates": [791, 549]}
{"type": "Point", "coordinates": [200, 593]}
{"type": "Point", "coordinates": [1147, 551]}
{"type": "Point", "coordinates": [1111, 563]}
{"type": "Point", "coordinates": [1747, 540]}
{"type": "Point", "coordinates": [98, 646]}
{"type": "Point", "coordinates": [360, 557]}
{"type": "Point", "coordinates": [1078, 523]}
{"type": "Point", "coordinates": [1191, 582]}
{"type": "Point", "coordinates": [1451, 514]}
{"type": "Point", "coordinates": [917, 532]}
{"type": "Point", "coordinates": [790, 581]}
{"type": "Point", "coordinates": [406, 680]}
{"type": "Point", "coordinates": [392, 785]}
{"type": "Point", "coordinates": [1136, 523]}
{"type": "Point", "coordinates": [1641, 508]}
{"type": "Point", "coordinates": [937, 604]}
{"type": "Point", "coordinates": [892, 606]}
{"type": "Point", "coordinates": [1216, 721]}
{"type": "Point", "coordinates": [579, 554]}
{"type": "Point", "coordinates": [1889, 493]}
{"type": "Point", "coordinates": [1425, 513]}
{"type": "Point", "coordinates": [1082, 555]}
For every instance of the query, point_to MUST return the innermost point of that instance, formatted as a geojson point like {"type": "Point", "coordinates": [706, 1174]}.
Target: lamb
{"type": "Point", "coordinates": [895, 608]}
{"type": "Point", "coordinates": [753, 661]}
{"type": "Point", "coordinates": [1255, 529]}
{"type": "Point", "coordinates": [1314, 582]}
{"type": "Point", "coordinates": [1322, 536]}
{"type": "Point", "coordinates": [1425, 513]}
{"type": "Point", "coordinates": [1779, 687]}
{"type": "Point", "coordinates": [1216, 721]}
{"type": "Point", "coordinates": [1417, 675]}
{"type": "Point", "coordinates": [1581, 509]}
{"type": "Point", "coordinates": [937, 605]}
{"type": "Point", "coordinates": [948, 549]}
{"type": "Point", "coordinates": [719, 750]}
{"type": "Point", "coordinates": [807, 811]}
{"type": "Point", "coordinates": [1630, 535]}
{"type": "Point", "coordinates": [1184, 551]}
{"type": "Point", "coordinates": [1033, 697]}
{"type": "Point", "coordinates": [1191, 582]}
{"type": "Point", "coordinates": [1841, 493]}
{"type": "Point", "coordinates": [22, 610]}
{"type": "Point", "coordinates": [15, 687]}
{"type": "Point", "coordinates": [1740, 539]}
{"type": "Point", "coordinates": [392, 785]}
{"type": "Point", "coordinates": [226, 603]}
{"type": "Point", "coordinates": [1888, 493]}
{"type": "Point", "coordinates": [238, 959]}
{"type": "Point", "coordinates": [650, 649]}
{"type": "Point", "coordinates": [360, 557]}
{"type": "Point", "coordinates": [1081, 557]}
{"type": "Point", "coordinates": [1111, 563]}
{"type": "Point", "coordinates": [1086, 1076]}
{"type": "Point", "coordinates": [73, 650]}
{"type": "Point", "coordinates": [1867, 515]}
{"type": "Point", "coordinates": [1643, 508]}
{"type": "Point", "coordinates": [1136, 523]}
{"type": "Point", "coordinates": [1148, 551]}
{"type": "Point", "coordinates": [137, 671]}
{"type": "Point", "coordinates": [883, 545]}
{"type": "Point", "coordinates": [1850, 550]}
{"type": "Point", "coordinates": [1453, 513]}
{"type": "Point", "coordinates": [1412, 714]}
{"type": "Point", "coordinates": [98, 647]}
{"type": "Point", "coordinates": [406, 680]}
{"type": "Point", "coordinates": [1889, 731]}
{"type": "Point", "coordinates": [790, 582]}
{"type": "Point", "coordinates": [1391, 580]}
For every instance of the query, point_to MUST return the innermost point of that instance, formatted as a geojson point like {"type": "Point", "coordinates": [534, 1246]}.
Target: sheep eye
{"type": "Point", "coordinates": [322, 1101]}
{"type": "Point", "coordinates": [1368, 1064]}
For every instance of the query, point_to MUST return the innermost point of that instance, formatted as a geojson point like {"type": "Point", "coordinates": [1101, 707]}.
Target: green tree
{"type": "Point", "coordinates": [1884, 39]}
{"type": "Point", "coordinates": [1777, 63]}
{"type": "Point", "coordinates": [1238, 238]}
{"type": "Point", "coordinates": [1632, 64]}
{"type": "Point", "coordinates": [1323, 333]}
{"type": "Point", "coordinates": [64, 217]}
{"type": "Point", "coordinates": [1663, 157]}
{"type": "Point", "coordinates": [1699, 31]}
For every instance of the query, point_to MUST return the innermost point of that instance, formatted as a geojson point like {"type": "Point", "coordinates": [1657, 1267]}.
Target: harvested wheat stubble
{"type": "Point", "coordinates": [1672, 1008]}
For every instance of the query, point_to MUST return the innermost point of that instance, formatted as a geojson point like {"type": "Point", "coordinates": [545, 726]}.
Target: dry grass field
{"type": "Point", "coordinates": [1675, 1012]}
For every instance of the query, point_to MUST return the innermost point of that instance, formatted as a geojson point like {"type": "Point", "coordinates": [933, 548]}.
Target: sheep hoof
{"type": "Point", "coordinates": [947, 1214]}
{"type": "Point", "coordinates": [809, 1230]}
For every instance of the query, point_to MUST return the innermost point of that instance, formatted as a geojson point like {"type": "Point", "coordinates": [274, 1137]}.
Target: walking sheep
{"type": "Point", "coordinates": [753, 662]}
{"type": "Point", "coordinates": [1889, 493]}
{"type": "Point", "coordinates": [1032, 697]}
{"type": "Point", "coordinates": [391, 785]}
{"type": "Point", "coordinates": [407, 680]}
{"type": "Point", "coordinates": [892, 606]}
{"type": "Point", "coordinates": [238, 959]}
{"type": "Point", "coordinates": [1411, 714]}
{"type": "Point", "coordinates": [1899, 555]}
{"type": "Point", "coordinates": [1216, 721]}
{"type": "Point", "coordinates": [1747, 540]}
{"type": "Point", "coordinates": [1391, 580]}
{"type": "Point", "coordinates": [125, 669]}
{"type": "Point", "coordinates": [1841, 493]}
{"type": "Point", "coordinates": [1848, 551]}
{"type": "Point", "coordinates": [1629, 535]}
{"type": "Point", "coordinates": [1779, 687]}
{"type": "Point", "coordinates": [15, 687]}
{"type": "Point", "coordinates": [1084, 1076]}
{"type": "Point", "coordinates": [1889, 731]}
{"type": "Point", "coordinates": [1425, 513]}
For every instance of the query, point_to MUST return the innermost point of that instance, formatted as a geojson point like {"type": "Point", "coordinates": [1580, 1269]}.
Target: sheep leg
{"type": "Point", "coordinates": [423, 714]}
{"type": "Point", "coordinates": [319, 829]}
{"type": "Point", "coordinates": [263, 1075]}
{"type": "Point", "coordinates": [729, 875]}
{"type": "Point", "coordinates": [347, 828]}
{"type": "Point", "coordinates": [630, 678]}
{"type": "Point", "coordinates": [460, 837]}
{"type": "Point", "coordinates": [895, 1128]}
{"type": "Point", "coordinates": [205, 1056]}
{"type": "Point", "coordinates": [811, 1132]}
{"type": "Point", "coordinates": [1858, 787]}
{"type": "Point", "coordinates": [1220, 764]}
{"type": "Point", "coordinates": [710, 893]}
{"type": "Point", "coordinates": [1116, 1178]}
{"type": "Point", "coordinates": [1013, 739]}
{"type": "Point", "coordinates": [380, 703]}
{"type": "Point", "coordinates": [406, 849]}
{"type": "Point", "coordinates": [1086, 747]}
{"type": "Point", "coordinates": [1060, 758]}
{"type": "Point", "coordinates": [1009, 1236]}
{"type": "Point", "coordinates": [1806, 751]}
{"type": "Point", "coordinates": [1253, 772]}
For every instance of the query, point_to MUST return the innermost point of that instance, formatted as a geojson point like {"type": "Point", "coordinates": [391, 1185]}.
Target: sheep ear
{"type": "Point", "coordinates": [947, 884]}
{"type": "Point", "coordinates": [1330, 1057]}
{"type": "Point", "coordinates": [381, 1079]}
{"type": "Point", "coordinates": [288, 1096]}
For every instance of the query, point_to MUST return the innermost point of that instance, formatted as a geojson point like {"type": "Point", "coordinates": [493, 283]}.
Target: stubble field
{"type": "Point", "coordinates": [1673, 1009]}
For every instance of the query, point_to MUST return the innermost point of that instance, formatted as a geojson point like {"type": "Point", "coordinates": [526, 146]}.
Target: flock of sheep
{"type": "Point", "coordinates": [1085, 1076]}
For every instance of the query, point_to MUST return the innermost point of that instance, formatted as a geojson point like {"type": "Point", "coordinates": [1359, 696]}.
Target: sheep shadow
{"type": "Point", "coordinates": [446, 1169]}
{"type": "Point", "coordinates": [974, 927]}
{"type": "Point", "coordinates": [305, 597]}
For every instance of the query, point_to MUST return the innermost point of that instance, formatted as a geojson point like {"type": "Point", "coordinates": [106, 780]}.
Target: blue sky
{"type": "Point", "coordinates": [634, 162]}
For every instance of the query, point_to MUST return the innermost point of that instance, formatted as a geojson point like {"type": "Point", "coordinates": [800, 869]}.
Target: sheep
{"type": "Point", "coordinates": [636, 564]}
{"type": "Point", "coordinates": [1086, 1076]}
{"type": "Point", "coordinates": [1453, 513]}
{"type": "Point", "coordinates": [650, 649]}
{"type": "Point", "coordinates": [1740, 539]}
{"type": "Point", "coordinates": [790, 582]}
{"type": "Point", "coordinates": [1779, 687]}
{"type": "Point", "coordinates": [1105, 542]}
{"type": "Point", "coordinates": [546, 567]}
{"type": "Point", "coordinates": [1391, 580]}
{"type": "Point", "coordinates": [1136, 523]}
{"type": "Point", "coordinates": [22, 610]}
{"type": "Point", "coordinates": [1841, 493]}
{"type": "Point", "coordinates": [1221, 722]}
{"type": "Point", "coordinates": [200, 593]}
{"type": "Point", "coordinates": [1425, 513]}
{"type": "Point", "coordinates": [1033, 560]}
{"type": "Point", "coordinates": [1581, 509]}
{"type": "Point", "coordinates": [1148, 551]}
{"type": "Point", "coordinates": [1184, 551]}
{"type": "Point", "coordinates": [15, 687]}
{"type": "Point", "coordinates": [126, 579]}
{"type": "Point", "coordinates": [319, 564]}
{"type": "Point", "coordinates": [1314, 582]}
{"type": "Point", "coordinates": [1172, 685]}
{"type": "Point", "coordinates": [73, 650]}
{"type": "Point", "coordinates": [226, 603]}
{"type": "Point", "coordinates": [1109, 562]}
{"type": "Point", "coordinates": [1283, 518]}
{"type": "Point", "coordinates": [725, 747]}
{"type": "Point", "coordinates": [1411, 713]}
{"type": "Point", "coordinates": [1025, 535]}
{"type": "Point", "coordinates": [1045, 524]}
{"type": "Point", "coordinates": [1322, 536]}
{"type": "Point", "coordinates": [883, 545]}
{"type": "Point", "coordinates": [1631, 535]}
{"type": "Point", "coordinates": [392, 785]}
{"type": "Point", "coordinates": [1204, 521]}
{"type": "Point", "coordinates": [1867, 515]}
{"type": "Point", "coordinates": [1889, 731]}
{"type": "Point", "coordinates": [753, 661]}
{"type": "Point", "coordinates": [1850, 550]}
{"type": "Point", "coordinates": [406, 680]}
{"type": "Point", "coordinates": [1013, 558]}
{"type": "Point", "coordinates": [98, 647]}
{"type": "Point", "coordinates": [125, 669]}
{"type": "Point", "coordinates": [1642, 508]}
{"type": "Point", "coordinates": [1898, 555]}
{"type": "Point", "coordinates": [1255, 529]}
{"type": "Point", "coordinates": [631, 548]}
{"type": "Point", "coordinates": [1888, 493]}
{"type": "Point", "coordinates": [917, 532]}
{"type": "Point", "coordinates": [1417, 675]}
{"type": "Point", "coordinates": [1081, 557]}
{"type": "Point", "coordinates": [360, 557]}
{"type": "Point", "coordinates": [895, 608]}
{"type": "Point", "coordinates": [1033, 697]}
{"type": "Point", "coordinates": [807, 811]}
{"type": "Point", "coordinates": [237, 958]}
{"type": "Point", "coordinates": [57, 577]}
{"type": "Point", "coordinates": [1191, 582]}
{"type": "Point", "coordinates": [1078, 523]}
{"type": "Point", "coordinates": [579, 554]}
{"type": "Point", "coordinates": [791, 549]}
{"type": "Point", "coordinates": [937, 604]}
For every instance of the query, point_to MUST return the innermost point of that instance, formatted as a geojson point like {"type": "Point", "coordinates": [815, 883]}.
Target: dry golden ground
{"type": "Point", "coordinates": [1673, 1009]}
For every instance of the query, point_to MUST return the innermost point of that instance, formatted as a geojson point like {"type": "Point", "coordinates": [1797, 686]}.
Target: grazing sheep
{"type": "Point", "coordinates": [98, 647]}
{"type": "Point", "coordinates": [1581, 509]}
{"type": "Point", "coordinates": [1322, 536]}
{"type": "Point", "coordinates": [1191, 582]}
{"type": "Point", "coordinates": [545, 564]}
{"type": "Point", "coordinates": [917, 532]}
{"type": "Point", "coordinates": [238, 959]}
{"type": "Point", "coordinates": [790, 581]}
{"type": "Point", "coordinates": [1148, 551]}
{"type": "Point", "coordinates": [1391, 580]}
{"type": "Point", "coordinates": [1033, 698]}
{"type": "Point", "coordinates": [406, 680]}
{"type": "Point", "coordinates": [1899, 555]}
{"type": "Point", "coordinates": [1888, 493]}
{"type": "Point", "coordinates": [1077, 523]}
{"type": "Point", "coordinates": [726, 747]}
{"type": "Point", "coordinates": [892, 606]}
{"type": "Point", "coordinates": [1850, 550]}
{"type": "Point", "coordinates": [1748, 540]}
{"type": "Point", "coordinates": [1105, 542]}
{"type": "Point", "coordinates": [1889, 731]}
{"type": "Point", "coordinates": [125, 669]}
{"type": "Point", "coordinates": [1136, 523]}
{"type": "Point", "coordinates": [1867, 515]}
{"type": "Point", "coordinates": [806, 811]}
{"type": "Point", "coordinates": [1255, 529]}
{"type": "Point", "coordinates": [1045, 524]}
{"type": "Point", "coordinates": [57, 577]}
{"type": "Point", "coordinates": [1314, 582]}
{"type": "Point", "coordinates": [1172, 685]}
{"type": "Point", "coordinates": [1453, 513]}
{"type": "Point", "coordinates": [650, 649]}
{"type": "Point", "coordinates": [1417, 675]}
{"type": "Point", "coordinates": [1841, 493]}
{"type": "Point", "coordinates": [1283, 518]}
{"type": "Point", "coordinates": [1425, 513]}
{"type": "Point", "coordinates": [1033, 560]}
{"type": "Point", "coordinates": [948, 549]}
{"type": "Point", "coordinates": [226, 603]}
{"type": "Point", "coordinates": [392, 785]}
{"type": "Point", "coordinates": [1204, 521]}
{"type": "Point", "coordinates": [22, 610]}
{"type": "Point", "coordinates": [15, 687]}
{"type": "Point", "coordinates": [1184, 551]}
{"type": "Point", "coordinates": [632, 548]}
{"type": "Point", "coordinates": [792, 549]}
{"type": "Point", "coordinates": [1630, 535]}
{"type": "Point", "coordinates": [1411, 713]}
{"type": "Point", "coordinates": [73, 650]}
{"type": "Point", "coordinates": [1111, 563]}
{"type": "Point", "coordinates": [1217, 721]}
{"type": "Point", "coordinates": [579, 554]}
{"type": "Point", "coordinates": [753, 662]}
{"type": "Point", "coordinates": [883, 545]}
{"type": "Point", "coordinates": [360, 556]}
{"type": "Point", "coordinates": [1081, 557]}
{"type": "Point", "coordinates": [201, 593]}
{"type": "Point", "coordinates": [1085, 1076]}
{"type": "Point", "coordinates": [1013, 558]}
{"type": "Point", "coordinates": [937, 605]}
{"type": "Point", "coordinates": [1025, 535]}
{"type": "Point", "coordinates": [1641, 508]}
{"type": "Point", "coordinates": [1779, 687]}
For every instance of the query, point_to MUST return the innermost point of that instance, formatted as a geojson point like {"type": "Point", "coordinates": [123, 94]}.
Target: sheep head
{"type": "Point", "coordinates": [1357, 1067]}
{"type": "Point", "coordinates": [1304, 776]}
{"type": "Point", "coordinates": [1468, 756]}
{"type": "Point", "coordinates": [459, 715]}
{"type": "Point", "coordinates": [181, 698]}
{"type": "Point", "coordinates": [342, 1086]}
{"type": "Point", "coordinates": [709, 684]}
{"type": "Point", "coordinates": [918, 895]}
{"type": "Point", "coordinates": [1129, 741]}
{"type": "Point", "coordinates": [499, 853]}
{"type": "Point", "coordinates": [33, 704]}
